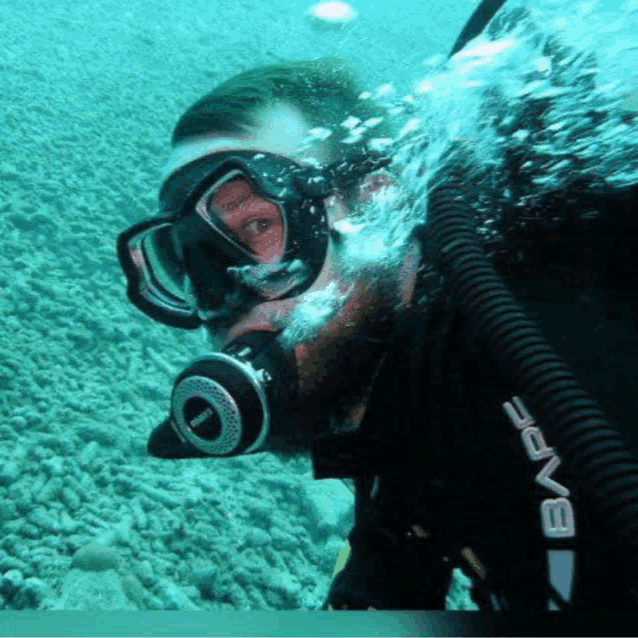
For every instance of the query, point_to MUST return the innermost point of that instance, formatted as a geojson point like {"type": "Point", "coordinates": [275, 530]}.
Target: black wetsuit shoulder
{"type": "Point", "coordinates": [463, 471]}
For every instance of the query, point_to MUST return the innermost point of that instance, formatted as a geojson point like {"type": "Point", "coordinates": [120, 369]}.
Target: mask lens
{"type": "Point", "coordinates": [247, 217]}
{"type": "Point", "coordinates": [161, 279]}
{"type": "Point", "coordinates": [162, 264]}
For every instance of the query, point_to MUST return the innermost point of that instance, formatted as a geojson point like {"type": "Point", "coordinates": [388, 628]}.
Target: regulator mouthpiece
{"type": "Point", "coordinates": [228, 403]}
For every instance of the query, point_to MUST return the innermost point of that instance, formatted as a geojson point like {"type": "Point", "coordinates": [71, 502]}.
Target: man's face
{"type": "Point", "coordinates": [338, 329]}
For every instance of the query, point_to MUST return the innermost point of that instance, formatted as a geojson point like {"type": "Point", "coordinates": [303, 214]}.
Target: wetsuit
{"type": "Point", "coordinates": [449, 460]}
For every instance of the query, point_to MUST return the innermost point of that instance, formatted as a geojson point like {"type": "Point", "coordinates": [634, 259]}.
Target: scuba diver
{"type": "Point", "coordinates": [470, 442]}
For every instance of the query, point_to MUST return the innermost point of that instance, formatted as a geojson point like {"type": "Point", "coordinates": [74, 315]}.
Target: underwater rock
{"type": "Point", "coordinates": [10, 583]}
{"type": "Point", "coordinates": [31, 594]}
{"type": "Point", "coordinates": [88, 591]}
{"type": "Point", "coordinates": [172, 597]}
{"type": "Point", "coordinates": [96, 558]}
{"type": "Point", "coordinates": [329, 504]}
{"type": "Point", "coordinates": [9, 472]}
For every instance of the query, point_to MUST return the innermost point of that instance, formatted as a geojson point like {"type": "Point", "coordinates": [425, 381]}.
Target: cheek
{"type": "Point", "coordinates": [348, 344]}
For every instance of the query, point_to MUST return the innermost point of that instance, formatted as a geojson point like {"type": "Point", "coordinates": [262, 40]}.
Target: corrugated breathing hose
{"type": "Point", "coordinates": [592, 449]}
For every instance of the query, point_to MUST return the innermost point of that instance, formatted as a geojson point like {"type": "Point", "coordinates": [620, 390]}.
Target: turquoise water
{"type": "Point", "coordinates": [90, 93]}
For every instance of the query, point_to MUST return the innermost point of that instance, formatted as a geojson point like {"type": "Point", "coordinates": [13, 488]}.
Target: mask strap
{"type": "Point", "coordinates": [348, 173]}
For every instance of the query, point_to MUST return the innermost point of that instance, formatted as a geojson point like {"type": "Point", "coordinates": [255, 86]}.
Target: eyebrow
{"type": "Point", "coordinates": [235, 197]}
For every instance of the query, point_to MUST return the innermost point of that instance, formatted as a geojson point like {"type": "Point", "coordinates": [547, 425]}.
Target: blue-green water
{"type": "Point", "coordinates": [90, 93]}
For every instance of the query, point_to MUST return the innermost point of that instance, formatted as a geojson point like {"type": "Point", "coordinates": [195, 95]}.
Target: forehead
{"type": "Point", "coordinates": [232, 187]}
{"type": "Point", "coordinates": [281, 129]}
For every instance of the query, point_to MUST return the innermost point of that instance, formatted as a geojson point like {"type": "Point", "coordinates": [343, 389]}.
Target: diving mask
{"type": "Point", "coordinates": [197, 261]}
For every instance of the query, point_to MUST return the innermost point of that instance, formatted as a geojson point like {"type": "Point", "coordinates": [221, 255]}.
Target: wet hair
{"type": "Point", "coordinates": [326, 91]}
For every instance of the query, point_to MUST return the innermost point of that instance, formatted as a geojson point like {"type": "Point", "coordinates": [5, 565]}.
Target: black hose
{"type": "Point", "coordinates": [604, 469]}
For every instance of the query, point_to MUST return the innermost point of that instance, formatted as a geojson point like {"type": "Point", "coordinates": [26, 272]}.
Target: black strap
{"type": "Point", "coordinates": [556, 598]}
{"type": "Point", "coordinates": [486, 591]}
{"type": "Point", "coordinates": [477, 22]}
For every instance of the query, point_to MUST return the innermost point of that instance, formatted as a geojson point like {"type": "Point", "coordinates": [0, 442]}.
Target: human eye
{"type": "Point", "coordinates": [257, 226]}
